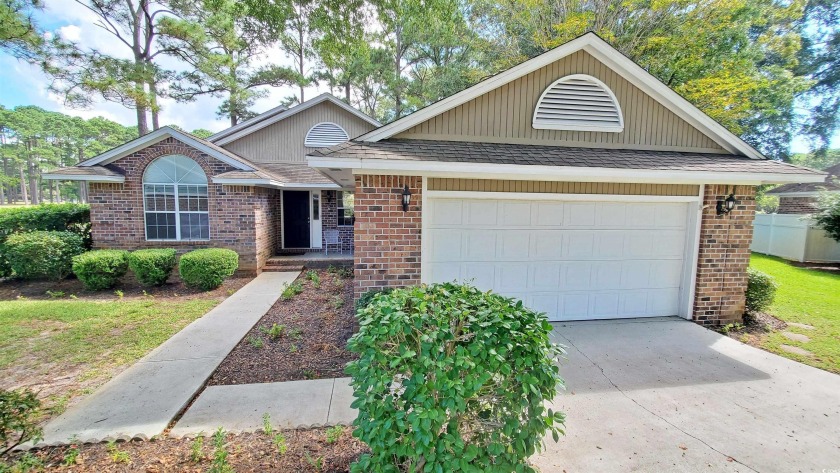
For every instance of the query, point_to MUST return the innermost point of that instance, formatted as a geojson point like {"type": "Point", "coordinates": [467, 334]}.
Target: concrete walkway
{"type": "Point", "coordinates": [142, 400]}
{"type": "Point", "coordinates": [293, 404]}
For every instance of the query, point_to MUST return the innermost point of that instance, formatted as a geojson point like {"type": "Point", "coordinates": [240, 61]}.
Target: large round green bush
{"type": "Point", "coordinates": [42, 255]}
{"type": "Point", "coordinates": [152, 267]}
{"type": "Point", "coordinates": [100, 269]}
{"type": "Point", "coordinates": [208, 268]}
{"type": "Point", "coordinates": [450, 378]}
{"type": "Point", "coordinates": [761, 290]}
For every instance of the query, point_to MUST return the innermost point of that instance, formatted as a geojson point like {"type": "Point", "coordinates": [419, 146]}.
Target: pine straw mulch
{"type": "Point", "coordinates": [307, 451]}
{"type": "Point", "coordinates": [316, 325]}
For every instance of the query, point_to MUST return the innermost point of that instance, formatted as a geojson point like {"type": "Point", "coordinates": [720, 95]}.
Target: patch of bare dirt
{"type": "Point", "coordinates": [755, 328]}
{"type": "Point", "coordinates": [13, 289]}
{"type": "Point", "coordinates": [306, 451]}
{"type": "Point", "coordinates": [309, 341]}
{"type": "Point", "coordinates": [833, 268]}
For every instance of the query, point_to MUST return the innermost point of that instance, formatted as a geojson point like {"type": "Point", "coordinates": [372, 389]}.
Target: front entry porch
{"type": "Point", "coordinates": [308, 259]}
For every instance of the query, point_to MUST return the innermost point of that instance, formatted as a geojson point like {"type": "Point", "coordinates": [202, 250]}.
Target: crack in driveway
{"type": "Point", "coordinates": [663, 419]}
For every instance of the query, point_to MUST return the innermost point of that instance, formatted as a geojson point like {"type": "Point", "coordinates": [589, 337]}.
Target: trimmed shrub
{"type": "Point", "coordinates": [152, 267]}
{"type": "Point", "coordinates": [19, 413]}
{"type": "Point", "coordinates": [45, 217]}
{"type": "Point", "coordinates": [761, 290]}
{"type": "Point", "coordinates": [368, 297]}
{"type": "Point", "coordinates": [100, 269]}
{"type": "Point", "coordinates": [450, 378]}
{"type": "Point", "coordinates": [208, 268]}
{"type": "Point", "coordinates": [42, 255]}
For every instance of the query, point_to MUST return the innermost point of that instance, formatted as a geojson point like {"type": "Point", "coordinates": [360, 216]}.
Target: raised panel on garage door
{"type": "Point", "coordinates": [572, 260]}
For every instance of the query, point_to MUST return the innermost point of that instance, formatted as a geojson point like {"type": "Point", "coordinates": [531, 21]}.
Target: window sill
{"type": "Point", "coordinates": [177, 241]}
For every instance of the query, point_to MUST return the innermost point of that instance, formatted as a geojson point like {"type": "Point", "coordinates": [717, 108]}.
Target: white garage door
{"type": "Point", "coordinates": [572, 260]}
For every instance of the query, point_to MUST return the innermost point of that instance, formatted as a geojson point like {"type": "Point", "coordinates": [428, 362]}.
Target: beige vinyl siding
{"type": "Point", "coordinates": [504, 115]}
{"type": "Point", "coordinates": [613, 188]}
{"type": "Point", "coordinates": [282, 142]}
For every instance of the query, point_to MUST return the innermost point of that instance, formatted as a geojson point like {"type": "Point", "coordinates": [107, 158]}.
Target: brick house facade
{"type": "Point", "coordinates": [797, 205]}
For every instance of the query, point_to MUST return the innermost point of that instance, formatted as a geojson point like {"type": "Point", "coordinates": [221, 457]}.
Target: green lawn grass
{"type": "Point", "coordinates": [93, 339]}
{"type": "Point", "coordinates": [810, 297]}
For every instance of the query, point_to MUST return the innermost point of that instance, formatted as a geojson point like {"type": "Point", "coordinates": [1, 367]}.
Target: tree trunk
{"type": "Point", "coordinates": [347, 92]}
{"type": "Point", "coordinates": [300, 38]}
{"type": "Point", "coordinates": [397, 85]}
{"type": "Point", "coordinates": [142, 124]}
{"type": "Point", "coordinates": [23, 194]}
{"type": "Point", "coordinates": [83, 192]}
{"type": "Point", "coordinates": [154, 105]}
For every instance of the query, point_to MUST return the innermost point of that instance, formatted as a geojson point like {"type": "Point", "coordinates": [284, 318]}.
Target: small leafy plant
{"type": "Point", "coordinates": [19, 413]}
{"type": "Point", "coordinates": [280, 443]}
{"type": "Point", "coordinates": [761, 290]}
{"type": "Point", "coordinates": [293, 348]}
{"type": "Point", "coordinates": [317, 463]}
{"type": "Point", "coordinates": [338, 302]}
{"type": "Point", "coordinates": [334, 433]}
{"type": "Point", "coordinates": [119, 294]}
{"type": "Point", "coordinates": [308, 374]}
{"type": "Point", "coordinates": [295, 333]}
{"type": "Point", "coordinates": [291, 290]}
{"type": "Point", "coordinates": [197, 449]}
{"type": "Point", "coordinates": [71, 456]}
{"type": "Point", "coordinates": [255, 342]}
{"type": "Point", "coordinates": [267, 428]}
{"type": "Point", "coordinates": [314, 277]}
{"type": "Point", "coordinates": [220, 454]}
{"type": "Point", "coordinates": [274, 332]}
{"type": "Point", "coordinates": [117, 455]}
{"type": "Point", "coordinates": [55, 294]}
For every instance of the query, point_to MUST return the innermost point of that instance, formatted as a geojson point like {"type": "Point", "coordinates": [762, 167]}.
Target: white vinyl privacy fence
{"type": "Point", "coordinates": [793, 237]}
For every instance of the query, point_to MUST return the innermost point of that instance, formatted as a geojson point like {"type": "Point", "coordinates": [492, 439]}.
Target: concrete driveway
{"type": "Point", "coordinates": [667, 395]}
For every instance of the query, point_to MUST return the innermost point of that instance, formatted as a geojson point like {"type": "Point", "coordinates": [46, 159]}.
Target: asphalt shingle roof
{"type": "Point", "coordinates": [99, 171]}
{"type": "Point", "coordinates": [504, 153]}
{"type": "Point", "coordinates": [830, 184]}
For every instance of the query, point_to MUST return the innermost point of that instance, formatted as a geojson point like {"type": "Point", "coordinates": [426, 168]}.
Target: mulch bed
{"type": "Point", "coordinates": [307, 451]}
{"type": "Point", "coordinates": [755, 328]}
{"type": "Point", "coordinates": [316, 325]}
{"type": "Point", "coordinates": [833, 268]}
{"type": "Point", "coordinates": [12, 289]}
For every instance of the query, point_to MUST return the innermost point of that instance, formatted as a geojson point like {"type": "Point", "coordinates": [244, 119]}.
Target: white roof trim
{"type": "Point", "coordinates": [545, 123]}
{"type": "Point", "coordinates": [157, 136]}
{"type": "Point", "coordinates": [81, 177]}
{"type": "Point", "coordinates": [605, 53]}
{"type": "Point", "coordinates": [251, 121]}
{"type": "Point", "coordinates": [561, 173]}
{"type": "Point", "coordinates": [231, 181]}
{"type": "Point", "coordinates": [227, 138]}
{"type": "Point", "coordinates": [802, 194]}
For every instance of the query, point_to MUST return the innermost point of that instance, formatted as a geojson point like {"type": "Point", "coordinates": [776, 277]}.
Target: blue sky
{"type": "Point", "coordinates": [22, 84]}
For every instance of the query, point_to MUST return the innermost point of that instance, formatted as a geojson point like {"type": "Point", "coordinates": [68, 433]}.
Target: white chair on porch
{"type": "Point", "coordinates": [331, 238]}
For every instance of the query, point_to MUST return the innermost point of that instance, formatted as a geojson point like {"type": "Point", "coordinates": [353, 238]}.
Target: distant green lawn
{"type": "Point", "coordinates": [810, 297]}
{"type": "Point", "coordinates": [88, 340]}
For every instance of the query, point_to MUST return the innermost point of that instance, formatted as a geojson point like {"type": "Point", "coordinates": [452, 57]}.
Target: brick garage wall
{"type": "Point", "coordinates": [387, 240]}
{"type": "Point", "coordinates": [235, 212]}
{"type": "Point", "coordinates": [797, 205]}
{"type": "Point", "coordinates": [329, 221]}
{"type": "Point", "coordinates": [724, 256]}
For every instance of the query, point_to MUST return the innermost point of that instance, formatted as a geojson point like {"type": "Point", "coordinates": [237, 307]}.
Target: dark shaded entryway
{"type": "Point", "coordinates": [296, 219]}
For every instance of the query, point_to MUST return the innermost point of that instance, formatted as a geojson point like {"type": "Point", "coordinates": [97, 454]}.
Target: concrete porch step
{"type": "Point", "coordinates": [277, 267]}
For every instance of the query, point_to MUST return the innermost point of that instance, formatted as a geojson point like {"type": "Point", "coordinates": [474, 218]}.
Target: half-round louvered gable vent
{"type": "Point", "coordinates": [578, 102]}
{"type": "Point", "coordinates": [325, 134]}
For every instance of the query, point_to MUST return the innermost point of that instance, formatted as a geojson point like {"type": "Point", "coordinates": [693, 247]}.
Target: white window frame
{"type": "Point", "coordinates": [339, 208]}
{"type": "Point", "coordinates": [177, 210]}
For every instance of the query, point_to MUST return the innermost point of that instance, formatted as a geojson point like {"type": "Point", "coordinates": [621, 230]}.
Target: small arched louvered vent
{"type": "Point", "coordinates": [578, 102]}
{"type": "Point", "coordinates": [325, 134]}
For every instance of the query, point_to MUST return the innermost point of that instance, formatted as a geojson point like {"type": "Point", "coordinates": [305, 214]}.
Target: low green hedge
{"type": "Point", "coordinates": [73, 218]}
{"type": "Point", "coordinates": [208, 268]}
{"type": "Point", "coordinates": [101, 269]}
{"type": "Point", "coordinates": [761, 290]}
{"type": "Point", "coordinates": [42, 255]}
{"type": "Point", "coordinates": [152, 267]}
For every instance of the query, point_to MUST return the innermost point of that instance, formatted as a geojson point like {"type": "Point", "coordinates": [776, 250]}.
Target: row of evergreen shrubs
{"type": "Point", "coordinates": [204, 269]}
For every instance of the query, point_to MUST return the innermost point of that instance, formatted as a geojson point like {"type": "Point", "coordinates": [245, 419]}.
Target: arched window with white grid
{"type": "Point", "coordinates": [175, 200]}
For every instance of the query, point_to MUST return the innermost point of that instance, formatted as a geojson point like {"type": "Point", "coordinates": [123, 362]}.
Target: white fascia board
{"type": "Point", "coordinates": [252, 121]}
{"type": "Point", "coordinates": [65, 177]}
{"type": "Point", "coordinates": [605, 53]}
{"type": "Point", "coordinates": [292, 111]}
{"type": "Point", "coordinates": [800, 194]}
{"type": "Point", "coordinates": [155, 137]}
{"type": "Point", "coordinates": [555, 173]}
{"type": "Point", "coordinates": [311, 186]}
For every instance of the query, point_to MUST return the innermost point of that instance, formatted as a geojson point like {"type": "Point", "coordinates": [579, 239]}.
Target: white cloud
{"type": "Point", "coordinates": [70, 33]}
